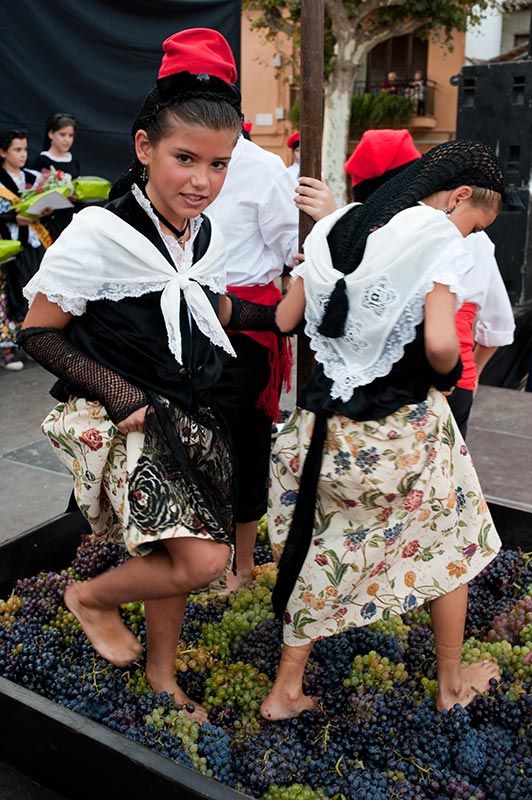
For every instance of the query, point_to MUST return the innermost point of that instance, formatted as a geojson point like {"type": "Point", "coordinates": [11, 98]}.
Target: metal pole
{"type": "Point", "coordinates": [311, 131]}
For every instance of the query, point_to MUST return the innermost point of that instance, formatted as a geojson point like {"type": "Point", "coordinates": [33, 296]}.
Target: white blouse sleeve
{"type": "Point", "coordinates": [495, 320]}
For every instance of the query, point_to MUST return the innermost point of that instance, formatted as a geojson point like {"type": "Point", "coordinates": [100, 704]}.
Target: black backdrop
{"type": "Point", "coordinates": [95, 59]}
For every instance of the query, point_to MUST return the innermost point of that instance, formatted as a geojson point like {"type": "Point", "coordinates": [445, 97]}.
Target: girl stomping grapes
{"type": "Point", "coordinates": [127, 310]}
{"type": "Point", "coordinates": [375, 507]}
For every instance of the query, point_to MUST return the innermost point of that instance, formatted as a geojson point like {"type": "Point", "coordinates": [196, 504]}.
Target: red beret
{"type": "Point", "coordinates": [293, 140]}
{"type": "Point", "coordinates": [199, 51]}
{"type": "Point", "coordinates": [378, 152]}
{"type": "Point", "coordinates": [247, 126]}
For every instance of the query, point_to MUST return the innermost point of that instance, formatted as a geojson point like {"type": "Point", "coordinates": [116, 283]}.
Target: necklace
{"type": "Point", "coordinates": [179, 233]}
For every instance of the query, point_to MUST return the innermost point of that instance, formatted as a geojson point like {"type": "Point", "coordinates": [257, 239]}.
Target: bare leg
{"type": "Point", "coordinates": [456, 684]}
{"type": "Point", "coordinates": [175, 570]}
{"type": "Point", "coordinates": [246, 536]}
{"type": "Point", "coordinates": [163, 625]}
{"type": "Point", "coordinates": [286, 699]}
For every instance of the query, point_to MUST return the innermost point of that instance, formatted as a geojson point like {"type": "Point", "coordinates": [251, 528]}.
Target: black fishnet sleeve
{"type": "Point", "coordinates": [248, 316]}
{"type": "Point", "coordinates": [51, 348]}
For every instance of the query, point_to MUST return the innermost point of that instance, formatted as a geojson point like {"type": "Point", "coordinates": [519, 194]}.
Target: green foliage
{"type": "Point", "coordinates": [437, 18]}
{"type": "Point", "coordinates": [379, 111]}
{"type": "Point", "coordinates": [371, 111]}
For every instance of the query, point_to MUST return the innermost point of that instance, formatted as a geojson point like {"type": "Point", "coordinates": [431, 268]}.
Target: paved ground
{"type": "Point", "coordinates": [33, 485]}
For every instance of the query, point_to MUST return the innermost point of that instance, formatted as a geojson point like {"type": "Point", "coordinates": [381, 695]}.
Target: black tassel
{"type": "Point", "coordinates": [333, 322]}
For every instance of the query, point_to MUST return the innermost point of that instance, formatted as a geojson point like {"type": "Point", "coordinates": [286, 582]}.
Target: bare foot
{"type": "Point", "coordinates": [474, 679]}
{"type": "Point", "coordinates": [279, 706]}
{"type": "Point", "coordinates": [185, 704]}
{"type": "Point", "coordinates": [230, 584]}
{"type": "Point", "coordinates": [103, 628]}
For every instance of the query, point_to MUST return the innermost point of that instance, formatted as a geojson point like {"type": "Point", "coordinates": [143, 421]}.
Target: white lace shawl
{"type": "Point", "coordinates": [100, 256]}
{"type": "Point", "coordinates": [402, 261]}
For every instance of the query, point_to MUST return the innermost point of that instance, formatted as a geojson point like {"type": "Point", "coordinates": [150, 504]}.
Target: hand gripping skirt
{"type": "Point", "coordinates": [400, 517]}
{"type": "Point", "coordinates": [174, 480]}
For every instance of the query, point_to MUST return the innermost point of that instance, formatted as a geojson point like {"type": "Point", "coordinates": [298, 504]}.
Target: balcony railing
{"type": "Point", "coordinates": [420, 92]}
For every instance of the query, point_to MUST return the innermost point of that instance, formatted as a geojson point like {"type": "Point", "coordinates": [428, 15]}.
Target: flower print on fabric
{"type": "Point", "coordinates": [155, 500]}
{"type": "Point", "coordinates": [400, 517]}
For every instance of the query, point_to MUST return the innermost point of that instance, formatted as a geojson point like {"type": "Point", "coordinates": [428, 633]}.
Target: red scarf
{"type": "Point", "coordinates": [280, 350]}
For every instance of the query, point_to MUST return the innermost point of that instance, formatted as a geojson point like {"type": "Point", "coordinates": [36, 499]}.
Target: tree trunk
{"type": "Point", "coordinates": [337, 112]}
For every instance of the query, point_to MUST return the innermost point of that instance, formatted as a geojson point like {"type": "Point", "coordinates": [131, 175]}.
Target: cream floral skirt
{"type": "Point", "coordinates": [400, 517]}
{"type": "Point", "coordinates": [132, 489]}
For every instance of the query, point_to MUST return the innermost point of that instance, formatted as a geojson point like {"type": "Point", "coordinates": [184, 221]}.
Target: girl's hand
{"type": "Point", "coordinates": [135, 421]}
{"type": "Point", "coordinates": [22, 222]}
{"type": "Point", "coordinates": [314, 198]}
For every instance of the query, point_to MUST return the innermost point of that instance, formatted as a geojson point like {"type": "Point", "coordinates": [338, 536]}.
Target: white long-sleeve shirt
{"type": "Point", "coordinates": [485, 287]}
{"type": "Point", "coordinates": [257, 216]}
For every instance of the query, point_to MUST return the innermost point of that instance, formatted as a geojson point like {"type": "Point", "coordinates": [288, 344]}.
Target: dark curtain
{"type": "Point", "coordinates": [95, 59]}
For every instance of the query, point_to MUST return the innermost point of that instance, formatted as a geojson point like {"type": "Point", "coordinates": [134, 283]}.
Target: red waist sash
{"type": "Point", "coordinates": [280, 350]}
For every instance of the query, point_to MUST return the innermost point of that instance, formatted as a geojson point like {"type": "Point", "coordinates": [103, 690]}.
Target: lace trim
{"type": "Point", "coordinates": [347, 377]}
{"type": "Point", "coordinates": [72, 303]}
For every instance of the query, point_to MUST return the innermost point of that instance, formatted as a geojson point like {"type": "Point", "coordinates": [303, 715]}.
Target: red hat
{"type": "Point", "coordinates": [293, 140]}
{"type": "Point", "coordinates": [247, 126]}
{"type": "Point", "coordinates": [378, 152]}
{"type": "Point", "coordinates": [199, 51]}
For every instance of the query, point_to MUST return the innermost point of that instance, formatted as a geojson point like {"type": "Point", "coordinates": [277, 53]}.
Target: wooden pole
{"type": "Point", "coordinates": [311, 130]}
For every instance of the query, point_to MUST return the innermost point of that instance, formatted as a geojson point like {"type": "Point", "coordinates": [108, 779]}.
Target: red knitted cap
{"type": "Point", "coordinates": [293, 140]}
{"type": "Point", "coordinates": [199, 51]}
{"type": "Point", "coordinates": [378, 152]}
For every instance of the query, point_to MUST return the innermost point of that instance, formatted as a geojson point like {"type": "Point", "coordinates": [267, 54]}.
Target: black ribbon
{"type": "Point", "coordinates": [332, 324]}
{"type": "Point", "coordinates": [302, 527]}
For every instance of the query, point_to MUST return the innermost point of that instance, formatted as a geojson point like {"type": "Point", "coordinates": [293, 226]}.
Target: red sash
{"type": "Point", "coordinates": [280, 350]}
{"type": "Point", "coordinates": [465, 323]}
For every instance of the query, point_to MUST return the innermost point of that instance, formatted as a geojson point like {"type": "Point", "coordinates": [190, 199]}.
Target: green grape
{"type": "Point", "coordinates": [393, 626]}
{"type": "Point", "coordinates": [262, 529]}
{"type": "Point", "coordinates": [515, 658]}
{"type": "Point", "coordinates": [373, 670]}
{"type": "Point", "coordinates": [134, 616]}
{"type": "Point", "coordinates": [246, 609]}
{"type": "Point", "coordinates": [293, 792]}
{"type": "Point", "coordinates": [8, 610]}
{"type": "Point", "coordinates": [240, 686]}
{"type": "Point", "coordinates": [65, 622]}
{"type": "Point", "coordinates": [183, 728]}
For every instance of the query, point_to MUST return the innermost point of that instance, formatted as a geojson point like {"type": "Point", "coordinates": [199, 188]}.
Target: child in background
{"type": "Point", "coordinates": [60, 131]}
{"type": "Point", "coordinates": [293, 142]}
{"type": "Point", "coordinates": [14, 275]}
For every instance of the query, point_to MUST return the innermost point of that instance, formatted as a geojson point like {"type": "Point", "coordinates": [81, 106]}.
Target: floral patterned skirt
{"type": "Point", "coordinates": [9, 327]}
{"type": "Point", "coordinates": [131, 489]}
{"type": "Point", "coordinates": [400, 517]}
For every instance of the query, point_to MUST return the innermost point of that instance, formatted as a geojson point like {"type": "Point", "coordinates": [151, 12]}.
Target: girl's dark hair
{"type": "Point", "coordinates": [159, 119]}
{"type": "Point", "coordinates": [7, 136]}
{"type": "Point", "coordinates": [54, 123]}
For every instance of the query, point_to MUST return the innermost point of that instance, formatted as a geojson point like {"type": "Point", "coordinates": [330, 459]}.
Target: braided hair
{"type": "Point", "coordinates": [194, 99]}
{"type": "Point", "coordinates": [445, 167]}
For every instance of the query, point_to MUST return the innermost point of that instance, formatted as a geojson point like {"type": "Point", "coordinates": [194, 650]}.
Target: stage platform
{"type": "Point", "coordinates": [500, 441]}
